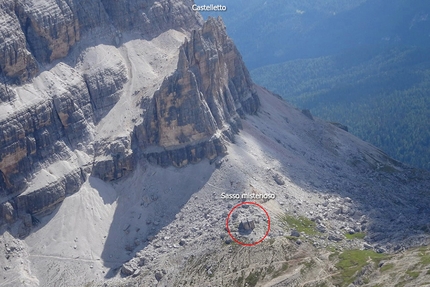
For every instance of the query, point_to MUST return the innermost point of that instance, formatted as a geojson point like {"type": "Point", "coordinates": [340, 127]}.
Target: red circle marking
{"type": "Point", "coordinates": [268, 224]}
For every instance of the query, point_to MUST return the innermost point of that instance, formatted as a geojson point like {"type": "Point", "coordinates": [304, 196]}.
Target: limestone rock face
{"type": "Point", "coordinates": [42, 132]}
{"type": "Point", "coordinates": [113, 160]}
{"type": "Point", "coordinates": [96, 110]}
{"type": "Point", "coordinates": [15, 59]}
{"type": "Point", "coordinates": [202, 100]}
{"type": "Point", "coordinates": [36, 31]}
{"type": "Point", "coordinates": [46, 197]}
{"type": "Point", "coordinates": [150, 17]}
{"type": "Point", "coordinates": [64, 66]}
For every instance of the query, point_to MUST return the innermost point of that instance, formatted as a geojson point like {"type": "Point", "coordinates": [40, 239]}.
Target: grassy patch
{"type": "Point", "coordinates": [357, 235]}
{"type": "Point", "coordinates": [425, 258]}
{"type": "Point", "coordinates": [239, 281]}
{"type": "Point", "coordinates": [301, 224]}
{"type": "Point", "coordinates": [252, 278]}
{"type": "Point", "coordinates": [413, 274]}
{"type": "Point", "coordinates": [333, 256]}
{"type": "Point", "coordinates": [352, 261]}
{"type": "Point", "coordinates": [386, 267]}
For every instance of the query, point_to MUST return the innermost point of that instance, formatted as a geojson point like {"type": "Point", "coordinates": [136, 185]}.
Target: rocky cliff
{"type": "Point", "coordinates": [200, 102]}
{"type": "Point", "coordinates": [37, 32]}
{"type": "Point", "coordinates": [102, 121]}
{"type": "Point", "coordinates": [60, 95]}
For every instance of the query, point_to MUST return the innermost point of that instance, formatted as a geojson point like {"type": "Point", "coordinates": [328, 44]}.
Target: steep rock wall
{"type": "Point", "coordinates": [34, 31]}
{"type": "Point", "coordinates": [200, 102]}
{"type": "Point", "coordinates": [50, 133]}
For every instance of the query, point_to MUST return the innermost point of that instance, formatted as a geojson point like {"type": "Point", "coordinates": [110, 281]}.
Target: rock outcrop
{"type": "Point", "coordinates": [53, 128]}
{"type": "Point", "coordinates": [200, 103]}
{"type": "Point", "coordinates": [49, 112]}
{"type": "Point", "coordinates": [41, 133]}
{"type": "Point", "coordinates": [247, 225]}
{"type": "Point", "coordinates": [34, 32]}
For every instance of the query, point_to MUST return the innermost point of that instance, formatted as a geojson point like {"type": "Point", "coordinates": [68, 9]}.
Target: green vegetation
{"type": "Point", "coordinates": [382, 96]}
{"type": "Point", "coordinates": [361, 63]}
{"type": "Point", "coordinates": [386, 267]}
{"type": "Point", "coordinates": [425, 258]}
{"type": "Point", "coordinates": [239, 281]}
{"type": "Point", "coordinates": [301, 224]}
{"type": "Point", "coordinates": [252, 278]}
{"type": "Point", "coordinates": [357, 235]}
{"type": "Point", "coordinates": [413, 274]}
{"type": "Point", "coordinates": [352, 261]}
{"type": "Point", "coordinates": [275, 31]}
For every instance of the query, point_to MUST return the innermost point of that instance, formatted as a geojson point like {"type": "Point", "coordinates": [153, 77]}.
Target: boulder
{"type": "Point", "coordinates": [278, 179]}
{"type": "Point", "coordinates": [247, 225]}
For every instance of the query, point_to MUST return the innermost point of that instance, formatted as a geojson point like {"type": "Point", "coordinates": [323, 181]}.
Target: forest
{"type": "Point", "coordinates": [362, 63]}
{"type": "Point", "coordinates": [383, 96]}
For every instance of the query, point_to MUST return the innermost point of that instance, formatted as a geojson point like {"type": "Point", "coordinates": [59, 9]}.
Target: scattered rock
{"type": "Point", "coordinates": [128, 268]}
{"type": "Point", "coordinates": [218, 163]}
{"type": "Point", "coordinates": [367, 246]}
{"type": "Point", "coordinates": [8, 212]}
{"type": "Point", "coordinates": [159, 274]}
{"type": "Point", "coordinates": [339, 125]}
{"type": "Point", "coordinates": [321, 228]}
{"type": "Point", "coordinates": [136, 273]}
{"type": "Point", "coordinates": [335, 238]}
{"type": "Point", "coordinates": [308, 114]}
{"type": "Point", "coordinates": [247, 225]}
{"type": "Point", "coordinates": [278, 179]}
{"type": "Point", "coordinates": [295, 233]}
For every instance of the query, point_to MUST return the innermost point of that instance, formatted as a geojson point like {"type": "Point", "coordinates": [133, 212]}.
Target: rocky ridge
{"type": "Point", "coordinates": [91, 141]}
{"type": "Point", "coordinates": [200, 102]}
{"type": "Point", "coordinates": [37, 32]}
{"type": "Point", "coordinates": [53, 136]}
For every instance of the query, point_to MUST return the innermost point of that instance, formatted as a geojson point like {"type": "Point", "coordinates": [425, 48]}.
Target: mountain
{"type": "Point", "coordinates": [122, 139]}
{"type": "Point", "coordinates": [380, 96]}
{"type": "Point", "coordinates": [271, 32]}
{"type": "Point", "coordinates": [349, 62]}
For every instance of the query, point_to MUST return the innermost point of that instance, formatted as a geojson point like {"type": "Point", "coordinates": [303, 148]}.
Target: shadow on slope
{"type": "Point", "coordinates": [354, 182]}
{"type": "Point", "coordinates": [147, 202]}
